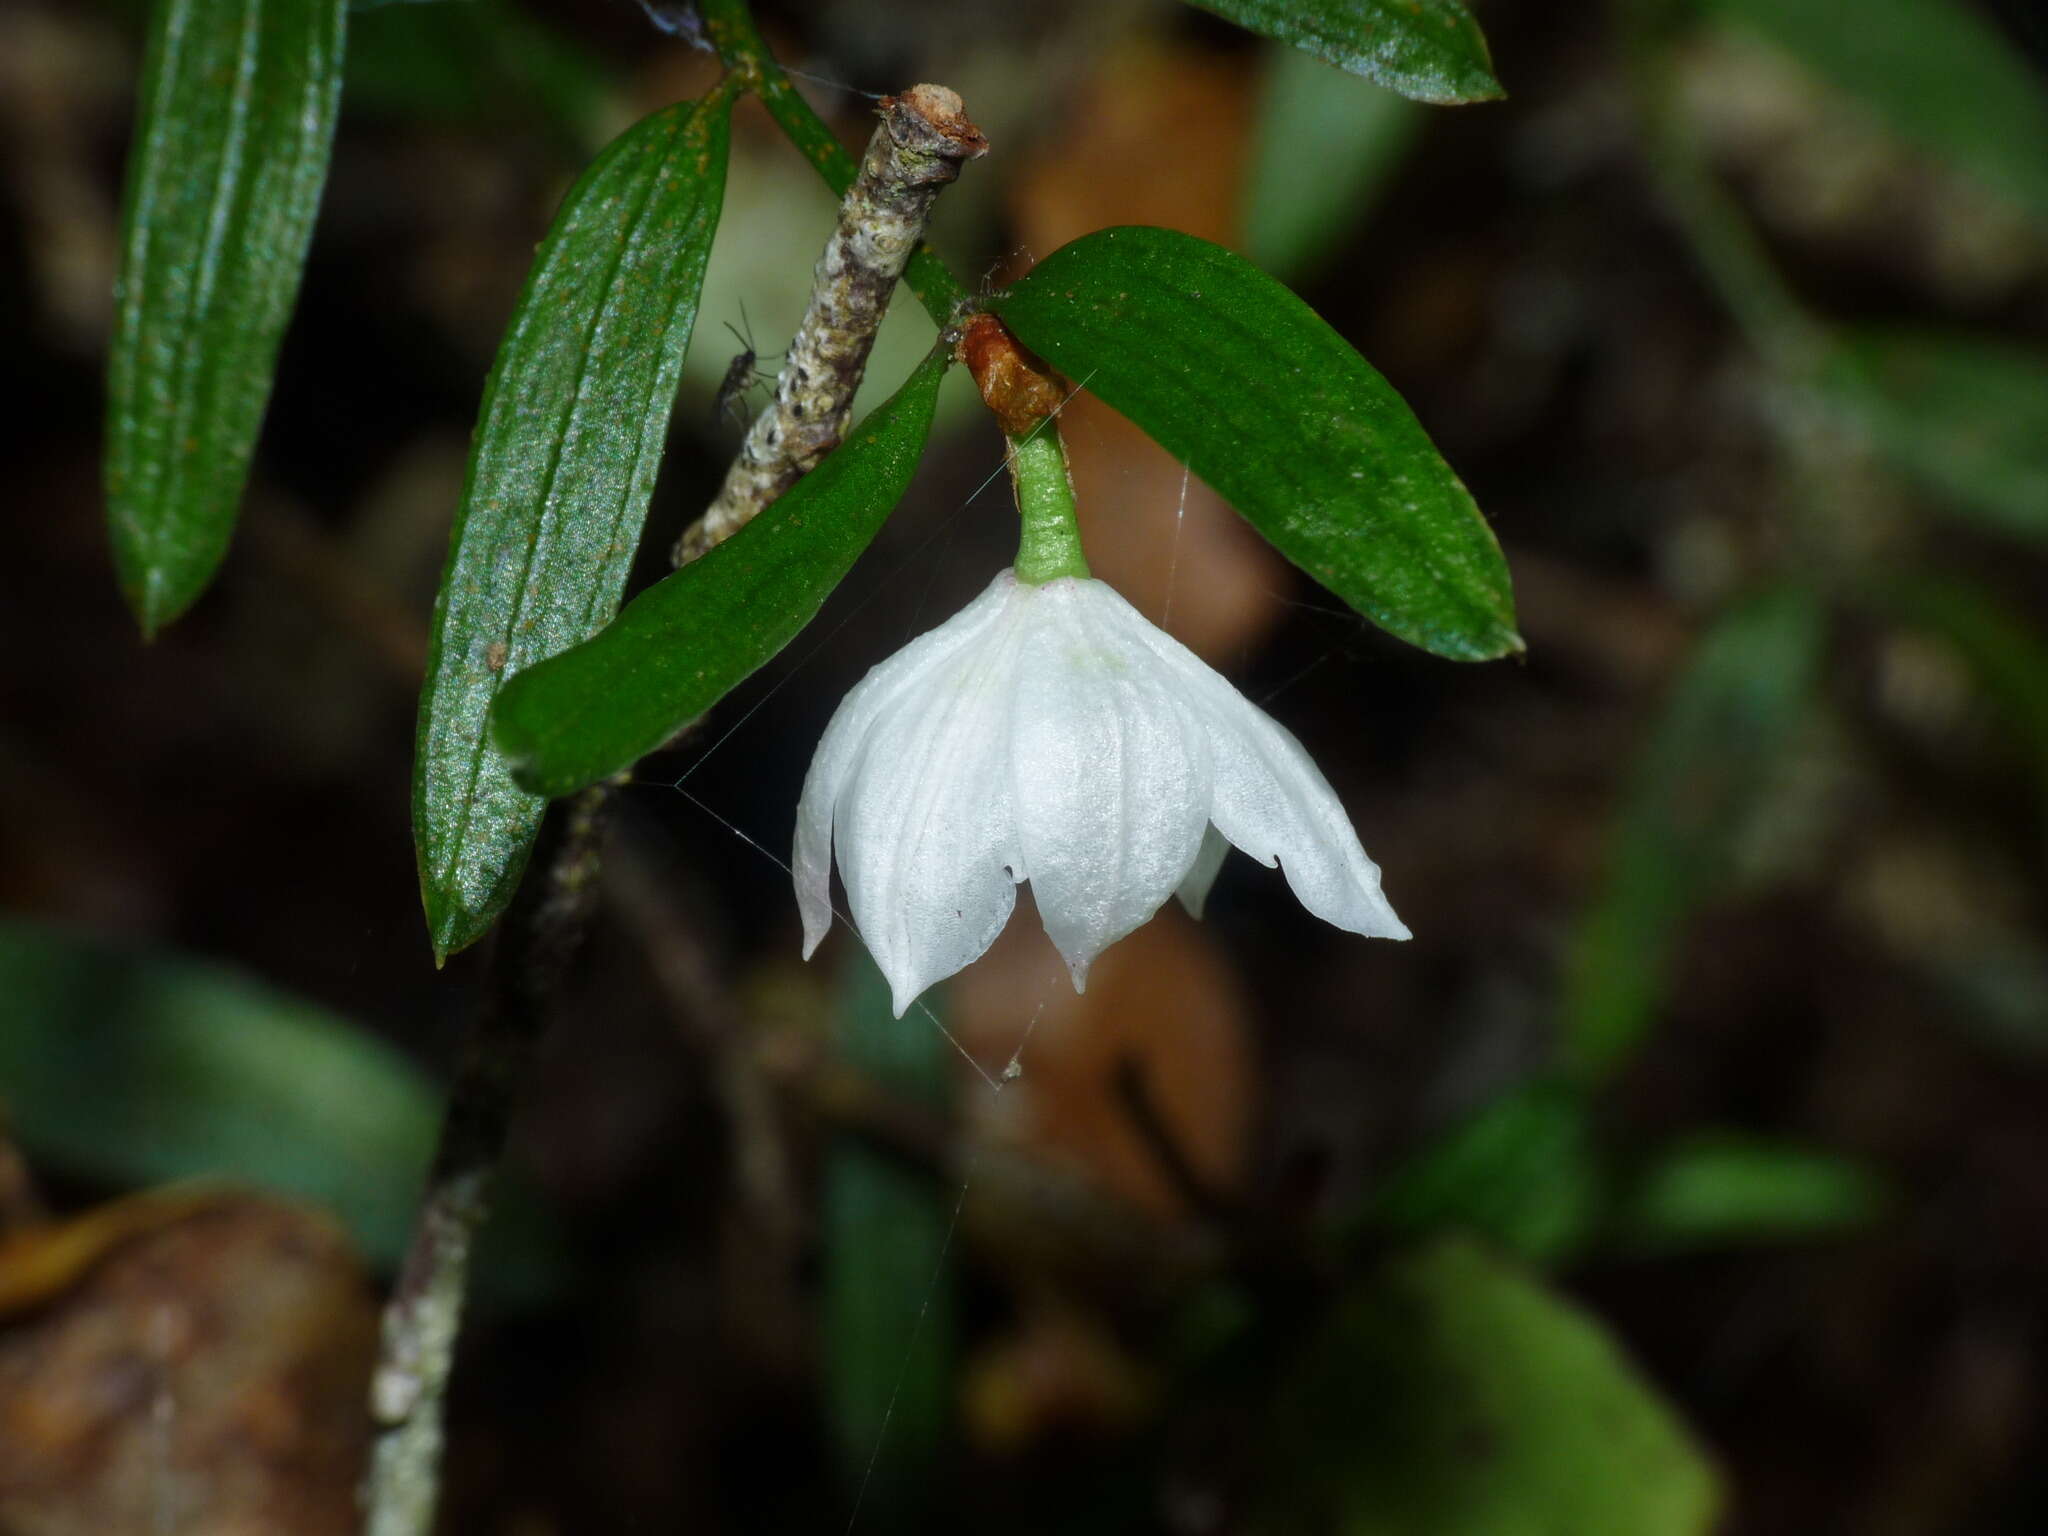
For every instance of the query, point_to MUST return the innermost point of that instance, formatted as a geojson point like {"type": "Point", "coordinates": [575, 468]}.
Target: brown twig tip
{"type": "Point", "coordinates": [934, 118]}
{"type": "Point", "coordinates": [1014, 381]}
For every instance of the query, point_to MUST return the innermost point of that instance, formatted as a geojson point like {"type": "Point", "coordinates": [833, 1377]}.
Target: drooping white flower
{"type": "Point", "coordinates": [1050, 733]}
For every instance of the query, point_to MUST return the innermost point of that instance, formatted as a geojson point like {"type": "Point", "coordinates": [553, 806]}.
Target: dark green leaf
{"type": "Point", "coordinates": [1239, 379]}
{"type": "Point", "coordinates": [142, 1067]}
{"type": "Point", "coordinates": [1728, 719]}
{"type": "Point", "coordinates": [687, 641]}
{"type": "Point", "coordinates": [231, 143]}
{"type": "Point", "coordinates": [1428, 49]}
{"type": "Point", "coordinates": [1965, 415]}
{"type": "Point", "coordinates": [1714, 1190]}
{"type": "Point", "coordinates": [887, 1285]}
{"type": "Point", "coordinates": [1521, 1172]}
{"type": "Point", "coordinates": [1455, 1396]}
{"type": "Point", "coordinates": [565, 454]}
{"type": "Point", "coordinates": [1935, 71]}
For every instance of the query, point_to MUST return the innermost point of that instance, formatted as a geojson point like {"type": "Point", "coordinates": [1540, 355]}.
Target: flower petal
{"type": "Point", "coordinates": [1194, 888]}
{"type": "Point", "coordinates": [926, 837]}
{"type": "Point", "coordinates": [1109, 770]}
{"type": "Point", "coordinates": [1273, 802]}
{"type": "Point", "coordinates": [902, 675]}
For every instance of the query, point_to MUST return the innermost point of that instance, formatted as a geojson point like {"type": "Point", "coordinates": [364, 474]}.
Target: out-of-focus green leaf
{"type": "Point", "coordinates": [1965, 415]}
{"type": "Point", "coordinates": [1522, 1172]}
{"type": "Point", "coordinates": [142, 1067]}
{"type": "Point", "coordinates": [1935, 71]}
{"type": "Point", "coordinates": [1299, 207]}
{"type": "Point", "coordinates": [888, 1286]}
{"type": "Point", "coordinates": [1248, 386]}
{"type": "Point", "coordinates": [564, 458]}
{"type": "Point", "coordinates": [231, 144]}
{"type": "Point", "coordinates": [1727, 721]}
{"type": "Point", "coordinates": [687, 641]}
{"type": "Point", "coordinates": [473, 61]}
{"type": "Point", "coordinates": [1713, 1190]}
{"type": "Point", "coordinates": [2006, 654]}
{"type": "Point", "coordinates": [1431, 50]}
{"type": "Point", "coordinates": [1452, 1395]}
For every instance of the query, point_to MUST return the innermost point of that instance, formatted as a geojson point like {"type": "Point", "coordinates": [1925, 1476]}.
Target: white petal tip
{"type": "Point", "coordinates": [1379, 922]}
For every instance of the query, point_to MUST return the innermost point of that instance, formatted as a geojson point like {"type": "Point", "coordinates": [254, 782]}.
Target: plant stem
{"type": "Point", "coordinates": [528, 964]}
{"type": "Point", "coordinates": [1050, 545]}
{"type": "Point", "coordinates": [916, 152]}
{"type": "Point", "coordinates": [740, 45]}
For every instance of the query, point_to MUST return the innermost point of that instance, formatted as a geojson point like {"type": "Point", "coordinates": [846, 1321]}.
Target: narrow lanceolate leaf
{"type": "Point", "coordinates": [687, 641]}
{"type": "Point", "coordinates": [1729, 720]}
{"type": "Point", "coordinates": [231, 145]}
{"type": "Point", "coordinates": [1715, 1189]}
{"type": "Point", "coordinates": [1967, 416]}
{"type": "Point", "coordinates": [887, 1293]}
{"type": "Point", "coordinates": [563, 461]}
{"type": "Point", "coordinates": [1936, 72]}
{"type": "Point", "coordinates": [1428, 49]}
{"type": "Point", "coordinates": [1249, 387]}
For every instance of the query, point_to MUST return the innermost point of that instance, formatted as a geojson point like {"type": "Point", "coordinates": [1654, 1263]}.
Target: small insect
{"type": "Point", "coordinates": [741, 375]}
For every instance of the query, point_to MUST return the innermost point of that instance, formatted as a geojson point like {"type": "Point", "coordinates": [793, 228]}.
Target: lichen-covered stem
{"type": "Point", "coordinates": [530, 959]}
{"type": "Point", "coordinates": [1050, 544]}
{"type": "Point", "coordinates": [923, 139]}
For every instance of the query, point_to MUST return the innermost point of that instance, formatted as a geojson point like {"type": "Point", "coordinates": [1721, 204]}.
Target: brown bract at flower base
{"type": "Point", "coordinates": [1015, 383]}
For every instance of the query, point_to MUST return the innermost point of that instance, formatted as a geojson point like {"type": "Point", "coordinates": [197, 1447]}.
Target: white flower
{"type": "Point", "coordinates": [1051, 734]}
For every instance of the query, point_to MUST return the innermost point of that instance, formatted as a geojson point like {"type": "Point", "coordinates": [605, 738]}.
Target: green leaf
{"type": "Point", "coordinates": [1712, 1190]}
{"type": "Point", "coordinates": [1728, 719]}
{"type": "Point", "coordinates": [1247, 385]}
{"type": "Point", "coordinates": [1934, 71]}
{"type": "Point", "coordinates": [1299, 208]}
{"type": "Point", "coordinates": [141, 1066]}
{"type": "Point", "coordinates": [1428, 49]}
{"type": "Point", "coordinates": [1967, 416]}
{"type": "Point", "coordinates": [566, 448]}
{"type": "Point", "coordinates": [694, 636]}
{"type": "Point", "coordinates": [887, 1287]}
{"type": "Point", "coordinates": [231, 144]}
{"type": "Point", "coordinates": [1454, 1396]}
{"type": "Point", "coordinates": [2005, 652]}
{"type": "Point", "coordinates": [1522, 1172]}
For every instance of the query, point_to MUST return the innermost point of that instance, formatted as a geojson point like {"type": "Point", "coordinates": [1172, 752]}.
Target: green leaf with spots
{"type": "Point", "coordinates": [231, 145]}
{"type": "Point", "coordinates": [1249, 387]}
{"type": "Point", "coordinates": [1428, 49]}
{"type": "Point", "coordinates": [694, 636]}
{"type": "Point", "coordinates": [566, 448]}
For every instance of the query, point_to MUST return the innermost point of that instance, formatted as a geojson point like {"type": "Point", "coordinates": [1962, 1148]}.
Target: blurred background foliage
{"type": "Point", "coordinates": [1688, 1171]}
